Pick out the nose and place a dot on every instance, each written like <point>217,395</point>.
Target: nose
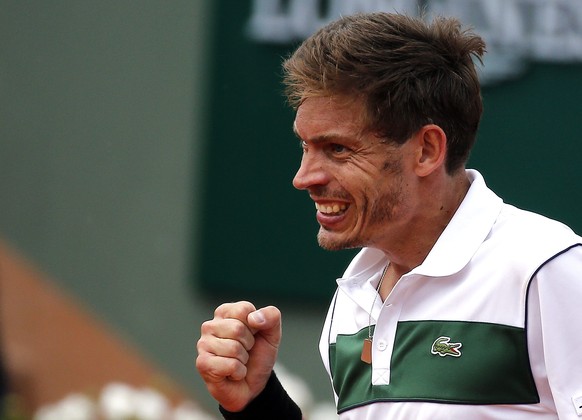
<point>311,173</point>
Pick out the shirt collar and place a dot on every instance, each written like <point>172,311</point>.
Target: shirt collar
<point>466,231</point>
<point>453,250</point>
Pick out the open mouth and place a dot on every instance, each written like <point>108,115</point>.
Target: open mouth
<point>331,209</point>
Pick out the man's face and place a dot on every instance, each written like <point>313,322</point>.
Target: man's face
<point>356,179</point>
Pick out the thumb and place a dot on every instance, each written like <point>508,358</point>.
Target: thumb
<point>266,322</point>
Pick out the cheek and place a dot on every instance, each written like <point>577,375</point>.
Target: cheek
<point>392,166</point>
<point>368,182</point>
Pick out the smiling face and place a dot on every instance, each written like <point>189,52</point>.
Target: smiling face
<point>359,181</point>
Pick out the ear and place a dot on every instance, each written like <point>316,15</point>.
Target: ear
<point>431,143</point>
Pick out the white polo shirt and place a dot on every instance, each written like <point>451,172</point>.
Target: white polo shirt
<point>489,326</point>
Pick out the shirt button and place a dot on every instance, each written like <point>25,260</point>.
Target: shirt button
<point>381,345</point>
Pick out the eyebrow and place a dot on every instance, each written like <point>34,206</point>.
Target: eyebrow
<point>325,137</point>
<point>322,138</point>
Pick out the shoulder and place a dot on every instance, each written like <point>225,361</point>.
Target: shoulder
<point>524,232</point>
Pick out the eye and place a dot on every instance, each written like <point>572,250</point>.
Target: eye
<point>338,148</point>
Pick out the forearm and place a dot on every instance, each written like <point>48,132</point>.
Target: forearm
<point>272,402</point>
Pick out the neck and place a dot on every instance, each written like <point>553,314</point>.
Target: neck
<point>419,234</point>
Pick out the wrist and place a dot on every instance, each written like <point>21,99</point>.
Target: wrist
<point>272,402</point>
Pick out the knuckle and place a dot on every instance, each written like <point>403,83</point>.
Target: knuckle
<point>236,369</point>
<point>221,309</point>
<point>201,345</point>
<point>202,363</point>
<point>238,328</point>
<point>237,350</point>
<point>206,327</point>
<point>237,310</point>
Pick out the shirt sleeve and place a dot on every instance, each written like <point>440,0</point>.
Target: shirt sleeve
<point>272,403</point>
<point>555,336</point>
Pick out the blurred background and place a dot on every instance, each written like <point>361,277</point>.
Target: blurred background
<point>146,158</point>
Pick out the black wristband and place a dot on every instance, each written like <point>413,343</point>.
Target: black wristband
<point>272,403</point>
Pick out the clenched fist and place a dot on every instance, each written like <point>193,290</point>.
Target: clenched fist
<point>237,351</point>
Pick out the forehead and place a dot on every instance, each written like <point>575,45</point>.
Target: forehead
<point>321,117</point>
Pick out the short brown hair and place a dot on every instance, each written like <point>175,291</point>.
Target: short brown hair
<point>408,72</point>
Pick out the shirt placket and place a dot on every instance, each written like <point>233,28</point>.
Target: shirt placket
<point>385,332</point>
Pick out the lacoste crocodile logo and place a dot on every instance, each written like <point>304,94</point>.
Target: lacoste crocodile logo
<point>443,347</point>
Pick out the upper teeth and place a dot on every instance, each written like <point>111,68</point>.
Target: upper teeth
<point>330,208</point>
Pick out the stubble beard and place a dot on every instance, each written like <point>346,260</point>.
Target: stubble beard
<point>383,211</point>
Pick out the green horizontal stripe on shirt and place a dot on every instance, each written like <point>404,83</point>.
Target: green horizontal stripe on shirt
<point>492,368</point>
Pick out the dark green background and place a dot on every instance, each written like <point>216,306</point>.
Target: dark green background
<point>259,234</point>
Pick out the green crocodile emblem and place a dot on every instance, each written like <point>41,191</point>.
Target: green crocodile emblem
<point>443,347</point>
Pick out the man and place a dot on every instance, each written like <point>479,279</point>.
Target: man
<point>458,305</point>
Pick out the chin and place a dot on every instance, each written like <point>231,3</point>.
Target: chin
<point>329,243</point>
